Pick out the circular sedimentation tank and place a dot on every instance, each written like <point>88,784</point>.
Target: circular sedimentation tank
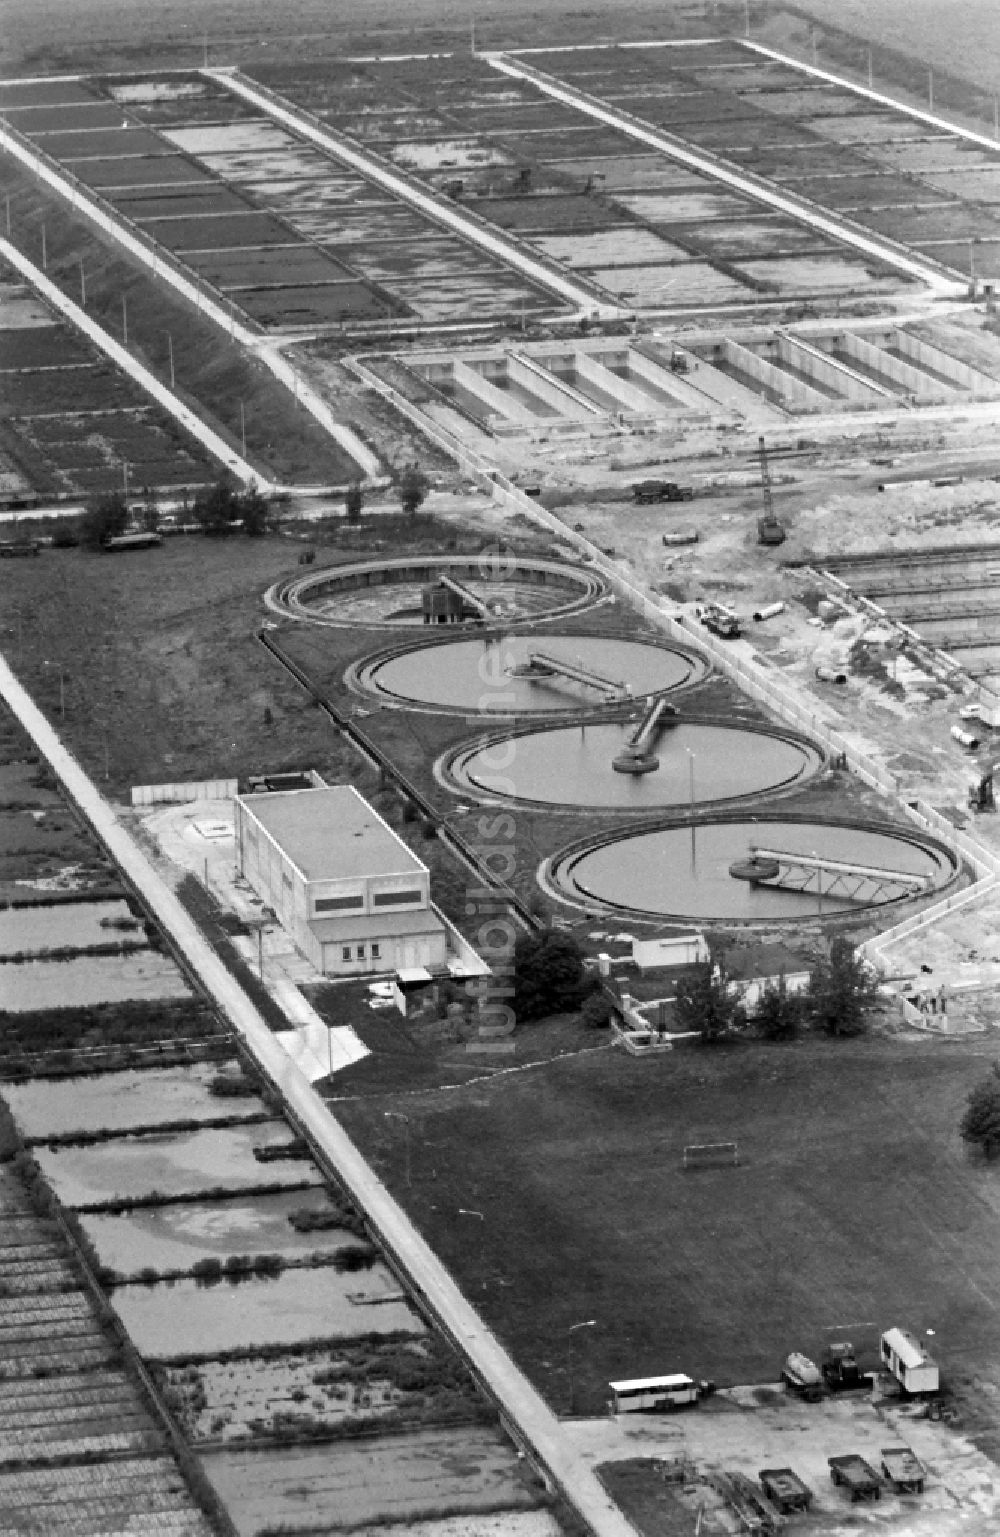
<point>683,871</point>
<point>390,590</point>
<point>699,763</point>
<point>493,674</point>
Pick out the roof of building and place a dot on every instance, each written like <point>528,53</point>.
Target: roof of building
<point>376,926</point>
<point>909,1350</point>
<point>332,833</point>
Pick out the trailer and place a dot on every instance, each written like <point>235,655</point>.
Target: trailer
<point>785,1490</point>
<point>911,1365</point>
<point>903,1470</point>
<point>857,1476</point>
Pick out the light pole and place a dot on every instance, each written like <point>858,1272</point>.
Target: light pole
<point>587,1323</point>
<point>691,800</point>
<point>397,1115</point>
<point>62,685</point>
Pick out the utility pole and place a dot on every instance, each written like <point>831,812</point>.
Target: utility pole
<point>124,320</point>
<point>243,428</point>
<point>930,89</point>
<point>747,18</point>
<point>996,135</point>
<point>871,78</point>
<point>170,355</point>
<point>815,48</point>
<point>7,202</point>
<point>45,259</point>
<point>83,286</point>
<point>472,27</point>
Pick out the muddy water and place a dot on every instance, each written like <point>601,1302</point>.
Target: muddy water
<point>89,979</point>
<point>173,1164</point>
<point>175,1237</point>
<point>27,930</point>
<point>572,766</point>
<point>175,1318</point>
<point>462,1469</point>
<point>117,1101</point>
<point>672,873</point>
<point>476,674</point>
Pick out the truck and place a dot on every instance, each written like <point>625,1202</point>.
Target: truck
<point>802,1376</point>
<point>645,491</point>
<point>840,1367</point>
<point>720,620</point>
<point>857,1476</point>
<point>906,1358</point>
<point>12,549</point>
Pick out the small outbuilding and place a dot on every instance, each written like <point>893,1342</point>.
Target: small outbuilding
<point>909,1362</point>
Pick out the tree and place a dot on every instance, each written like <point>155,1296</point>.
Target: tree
<point>253,513</point>
<point>980,1124</point>
<point>842,991</point>
<point>705,1002</point>
<point>413,488</point>
<point>354,500</point>
<point>105,517</point>
<point>548,974</point>
<point>216,508</point>
<point>596,1009</point>
<point>778,1012</point>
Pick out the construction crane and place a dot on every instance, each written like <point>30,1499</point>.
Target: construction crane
<point>769,529</point>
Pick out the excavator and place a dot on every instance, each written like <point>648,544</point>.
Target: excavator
<point>770,530</point>
<point>981,796</point>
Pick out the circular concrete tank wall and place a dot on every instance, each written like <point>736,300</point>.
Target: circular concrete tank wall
<point>494,674</point>
<point>684,872</point>
<point>572,766</point>
<point>388,591</point>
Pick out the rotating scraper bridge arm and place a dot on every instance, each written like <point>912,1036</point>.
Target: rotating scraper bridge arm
<point>798,872</point>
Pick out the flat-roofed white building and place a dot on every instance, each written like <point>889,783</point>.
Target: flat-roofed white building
<point>351,894</point>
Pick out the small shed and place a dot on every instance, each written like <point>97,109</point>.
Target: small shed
<point>411,989</point>
<point>669,950</point>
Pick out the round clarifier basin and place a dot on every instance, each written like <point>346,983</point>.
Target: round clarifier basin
<point>572,766</point>
<point>683,872</point>
<point>483,676</point>
<point>390,590</point>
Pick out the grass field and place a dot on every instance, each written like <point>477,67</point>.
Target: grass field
<point>854,1205</point>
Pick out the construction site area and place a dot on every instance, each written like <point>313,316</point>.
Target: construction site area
<point>690,640</point>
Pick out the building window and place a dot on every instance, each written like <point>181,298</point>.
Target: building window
<point>361,952</point>
<point>337,904</point>
<point>376,952</point>
<point>345,953</point>
<point>395,898</point>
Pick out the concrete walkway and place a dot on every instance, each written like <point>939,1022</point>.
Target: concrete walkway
<point>218,312</point>
<point>750,186</point>
<point>533,1421</point>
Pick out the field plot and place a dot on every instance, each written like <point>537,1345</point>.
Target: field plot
<point>592,1214</point>
<point>82,1500</point>
<point>383,1382</point>
<point>178,1235</point>
<point>189,1318</point>
<point>433,1473</point>
<point>79,1450</point>
<point>122,1101</point>
<point>173,1164</point>
<point>47,374</point>
<point>254,163</point>
<point>775,121</point>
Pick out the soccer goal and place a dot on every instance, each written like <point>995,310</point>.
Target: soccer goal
<point>711,1155</point>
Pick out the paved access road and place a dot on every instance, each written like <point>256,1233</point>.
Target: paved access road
<point>535,1423</point>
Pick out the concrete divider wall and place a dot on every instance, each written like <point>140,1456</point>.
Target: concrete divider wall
<point>792,391</point>
<point>848,384</point>
<point>960,374</point>
<point>920,385</point>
